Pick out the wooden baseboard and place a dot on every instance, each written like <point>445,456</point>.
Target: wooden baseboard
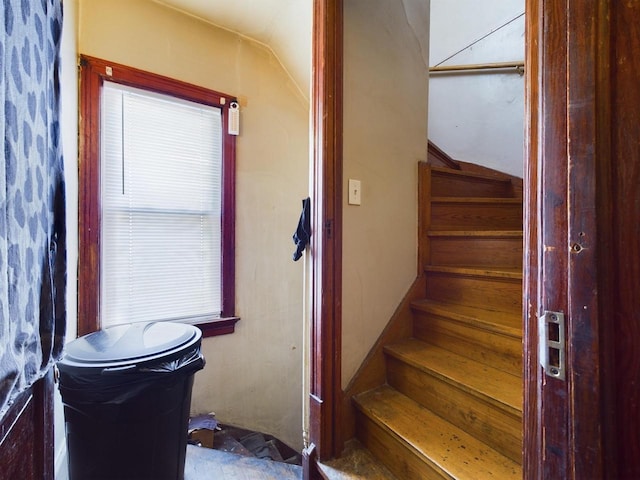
<point>372,372</point>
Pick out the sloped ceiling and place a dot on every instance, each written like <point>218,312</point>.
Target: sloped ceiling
<point>284,26</point>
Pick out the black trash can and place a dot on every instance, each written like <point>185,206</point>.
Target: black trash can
<point>126,392</point>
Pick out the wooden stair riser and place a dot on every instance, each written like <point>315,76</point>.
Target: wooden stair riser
<point>396,455</point>
<point>496,350</point>
<point>447,215</point>
<point>456,184</point>
<point>497,428</point>
<point>491,293</point>
<point>476,251</point>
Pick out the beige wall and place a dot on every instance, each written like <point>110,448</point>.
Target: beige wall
<point>385,131</point>
<point>253,377</point>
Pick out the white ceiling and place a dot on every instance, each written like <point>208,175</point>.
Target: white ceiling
<point>282,25</point>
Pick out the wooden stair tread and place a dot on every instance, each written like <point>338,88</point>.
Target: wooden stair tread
<point>467,173</point>
<point>493,272</point>
<point>494,386</point>
<point>476,233</point>
<point>446,448</point>
<point>477,200</point>
<point>490,320</point>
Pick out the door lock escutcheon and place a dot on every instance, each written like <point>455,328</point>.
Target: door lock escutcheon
<point>551,344</point>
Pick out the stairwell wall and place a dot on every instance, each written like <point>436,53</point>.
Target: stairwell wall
<point>385,127</point>
<point>478,117</point>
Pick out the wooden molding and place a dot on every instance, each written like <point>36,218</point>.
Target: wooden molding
<point>532,440</point>
<point>436,155</point>
<point>219,326</point>
<point>326,242</point>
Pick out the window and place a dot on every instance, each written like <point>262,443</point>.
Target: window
<point>156,201</point>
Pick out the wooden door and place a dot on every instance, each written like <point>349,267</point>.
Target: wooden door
<point>582,251</point>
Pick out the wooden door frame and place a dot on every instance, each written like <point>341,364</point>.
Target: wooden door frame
<point>567,143</point>
<point>325,397</point>
<point>562,71</point>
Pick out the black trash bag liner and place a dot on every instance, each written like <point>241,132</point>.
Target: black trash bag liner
<point>119,385</point>
<point>120,363</point>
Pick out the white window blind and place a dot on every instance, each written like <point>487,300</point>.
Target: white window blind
<point>161,208</point>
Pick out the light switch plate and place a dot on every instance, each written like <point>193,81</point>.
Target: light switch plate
<point>354,192</point>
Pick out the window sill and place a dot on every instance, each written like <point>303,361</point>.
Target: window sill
<point>219,326</point>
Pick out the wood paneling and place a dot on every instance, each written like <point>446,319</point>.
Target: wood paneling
<point>26,434</point>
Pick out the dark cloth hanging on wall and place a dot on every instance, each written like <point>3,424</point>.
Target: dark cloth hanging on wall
<point>302,234</point>
<point>32,201</point>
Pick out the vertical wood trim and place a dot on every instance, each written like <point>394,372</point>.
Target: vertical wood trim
<point>568,128</point>
<point>89,201</point>
<point>604,241</point>
<point>532,439</point>
<point>44,444</point>
<point>584,129</point>
<point>326,332</point>
<point>621,255</point>
<point>228,240</point>
<point>424,215</point>
<point>552,224</point>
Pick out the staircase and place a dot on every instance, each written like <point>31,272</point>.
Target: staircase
<point>452,404</point>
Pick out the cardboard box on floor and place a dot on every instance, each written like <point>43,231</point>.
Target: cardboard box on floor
<point>202,436</point>
<point>201,429</point>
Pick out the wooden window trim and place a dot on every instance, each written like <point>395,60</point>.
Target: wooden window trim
<point>93,73</point>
